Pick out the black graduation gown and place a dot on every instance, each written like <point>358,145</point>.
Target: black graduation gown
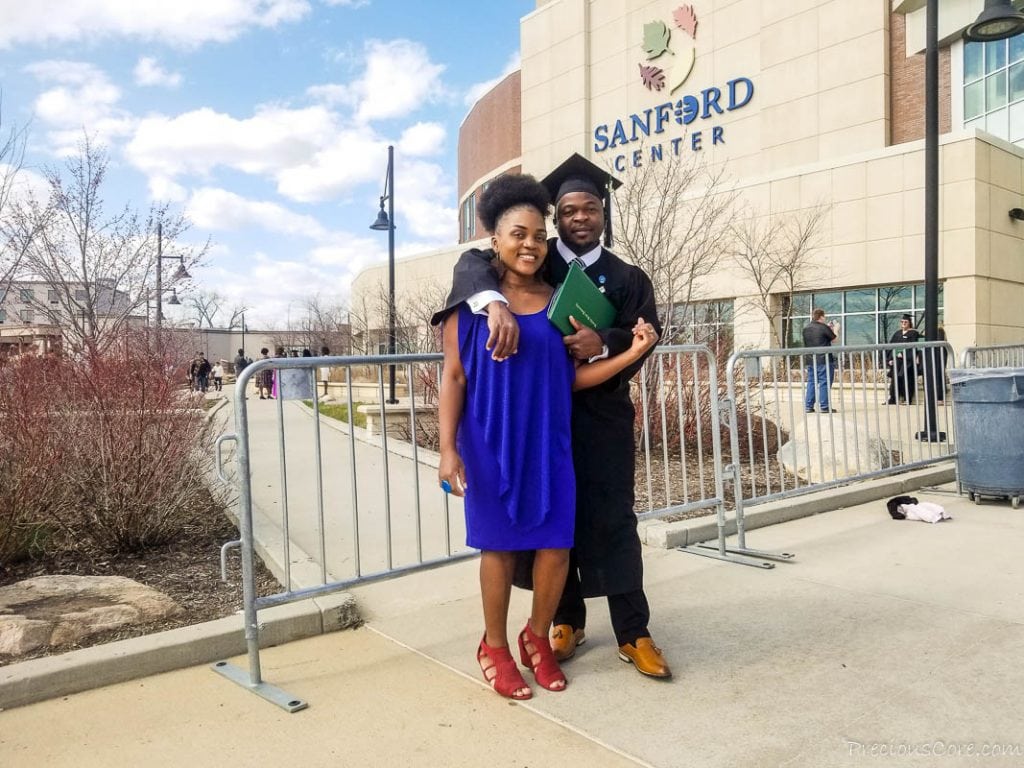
<point>607,547</point>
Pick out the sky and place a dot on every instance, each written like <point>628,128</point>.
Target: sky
<point>264,122</point>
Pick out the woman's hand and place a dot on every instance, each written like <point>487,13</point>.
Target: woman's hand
<point>453,471</point>
<point>644,336</point>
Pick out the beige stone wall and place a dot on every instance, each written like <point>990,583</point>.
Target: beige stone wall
<point>820,68</point>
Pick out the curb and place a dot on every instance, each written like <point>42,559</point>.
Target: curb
<point>664,535</point>
<point>28,682</point>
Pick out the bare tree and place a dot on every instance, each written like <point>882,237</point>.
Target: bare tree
<point>13,241</point>
<point>205,306</point>
<point>98,268</point>
<point>776,254</point>
<point>326,324</point>
<point>672,219</point>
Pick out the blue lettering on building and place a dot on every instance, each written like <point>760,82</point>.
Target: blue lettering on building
<point>705,105</point>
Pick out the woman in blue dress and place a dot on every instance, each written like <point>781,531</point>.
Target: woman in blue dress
<point>505,436</point>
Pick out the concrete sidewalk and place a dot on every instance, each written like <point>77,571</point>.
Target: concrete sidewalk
<point>882,637</point>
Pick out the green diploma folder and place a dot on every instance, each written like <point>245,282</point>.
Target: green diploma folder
<point>579,297</point>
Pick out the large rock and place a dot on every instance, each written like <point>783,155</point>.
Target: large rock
<point>64,610</point>
<point>829,449</point>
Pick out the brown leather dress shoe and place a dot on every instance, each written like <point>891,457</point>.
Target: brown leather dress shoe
<point>564,640</point>
<point>646,657</point>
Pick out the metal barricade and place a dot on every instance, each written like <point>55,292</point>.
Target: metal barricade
<point>781,445</point>
<point>356,471</point>
<point>995,356</point>
<point>679,442</point>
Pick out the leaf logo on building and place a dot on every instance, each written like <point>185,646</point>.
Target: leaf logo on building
<point>676,53</point>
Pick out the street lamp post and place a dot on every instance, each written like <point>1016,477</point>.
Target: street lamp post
<point>997,21</point>
<point>180,274</point>
<point>386,221</point>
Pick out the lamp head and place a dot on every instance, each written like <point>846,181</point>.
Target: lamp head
<point>174,297</point>
<point>998,21</point>
<point>181,273</point>
<point>1017,213</point>
<point>382,224</point>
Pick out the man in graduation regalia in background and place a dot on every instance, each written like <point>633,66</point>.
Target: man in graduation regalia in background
<point>607,556</point>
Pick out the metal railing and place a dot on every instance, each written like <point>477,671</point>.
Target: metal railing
<point>387,516</point>
<point>332,505</point>
<point>995,356</point>
<point>782,445</point>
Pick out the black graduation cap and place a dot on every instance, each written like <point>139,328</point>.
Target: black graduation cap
<point>577,174</point>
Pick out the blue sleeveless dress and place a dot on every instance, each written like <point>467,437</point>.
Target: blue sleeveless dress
<point>514,438</point>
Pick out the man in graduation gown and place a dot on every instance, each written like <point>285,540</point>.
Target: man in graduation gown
<point>607,557</point>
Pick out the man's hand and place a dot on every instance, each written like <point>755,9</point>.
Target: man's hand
<point>503,340</point>
<point>585,343</point>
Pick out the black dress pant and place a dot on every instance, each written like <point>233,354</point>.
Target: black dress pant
<point>629,612</point>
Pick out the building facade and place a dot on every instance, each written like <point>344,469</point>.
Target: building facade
<point>806,103</point>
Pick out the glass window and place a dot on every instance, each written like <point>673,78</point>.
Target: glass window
<point>1017,122</point>
<point>3,315</point>
<point>995,91</point>
<point>888,324</point>
<point>860,301</point>
<point>973,65</point>
<point>1017,82</point>
<point>27,294</point>
<point>80,294</point>
<point>974,100</point>
<point>858,329</point>
<point>895,297</point>
<point>51,296</point>
<point>26,315</point>
<point>997,123</point>
<point>995,56</point>
<point>831,302</point>
<point>994,79</point>
<point>801,304</point>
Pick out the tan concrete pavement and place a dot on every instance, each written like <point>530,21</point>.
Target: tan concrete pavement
<point>882,636</point>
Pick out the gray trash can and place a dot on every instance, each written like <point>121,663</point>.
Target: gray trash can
<point>989,418</point>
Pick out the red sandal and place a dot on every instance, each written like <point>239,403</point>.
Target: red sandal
<point>546,671</point>
<point>502,675</point>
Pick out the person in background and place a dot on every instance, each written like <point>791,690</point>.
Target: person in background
<point>218,376</point>
<point>199,373</point>
<point>240,362</point>
<point>265,378</point>
<point>821,368</point>
<point>505,437</point>
<point>901,364</point>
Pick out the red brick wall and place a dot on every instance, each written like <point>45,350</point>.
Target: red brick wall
<point>490,136</point>
<point>906,91</point>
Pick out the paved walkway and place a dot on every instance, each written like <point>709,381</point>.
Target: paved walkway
<point>881,637</point>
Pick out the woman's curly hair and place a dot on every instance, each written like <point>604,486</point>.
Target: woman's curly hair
<point>511,190</point>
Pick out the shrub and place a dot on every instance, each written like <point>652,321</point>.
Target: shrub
<point>105,453</point>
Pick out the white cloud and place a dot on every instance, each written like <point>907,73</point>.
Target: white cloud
<point>183,22</point>
<point>422,139</point>
<point>163,188</point>
<point>83,98</point>
<point>219,209</point>
<point>424,194</point>
<point>195,142</point>
<point>479,89</point>
<point>399,78</point>
<point>329,94</point>
<point>149,72</point>
<point>352,158</point>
